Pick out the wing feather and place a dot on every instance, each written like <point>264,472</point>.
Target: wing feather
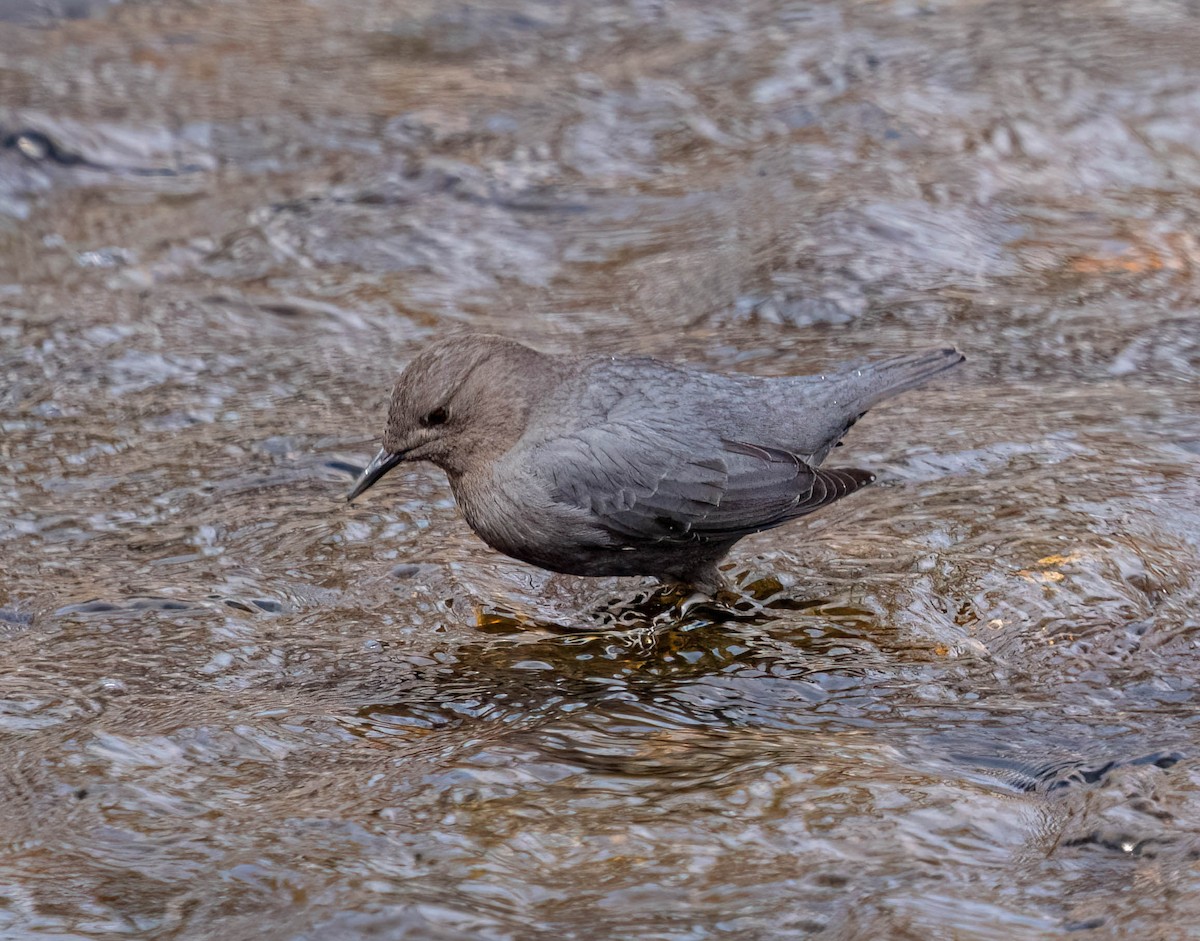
<point>644,485</point>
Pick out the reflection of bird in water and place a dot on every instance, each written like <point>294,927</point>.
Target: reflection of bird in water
<point>611,465</point>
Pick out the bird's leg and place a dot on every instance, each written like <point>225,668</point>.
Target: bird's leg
<point>701,585</point>
<point>706,578</point>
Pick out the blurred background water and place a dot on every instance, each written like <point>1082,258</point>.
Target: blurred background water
<point>960,704</point>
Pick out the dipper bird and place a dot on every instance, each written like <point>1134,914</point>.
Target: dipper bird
<point>626,465</point>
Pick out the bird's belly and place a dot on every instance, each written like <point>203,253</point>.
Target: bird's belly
<point>523,524</point>
<point>539,538</point>
<point>574,558</point>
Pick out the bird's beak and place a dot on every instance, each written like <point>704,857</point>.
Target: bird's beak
<point>380,464</point>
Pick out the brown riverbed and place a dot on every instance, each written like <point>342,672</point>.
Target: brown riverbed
<point>959,705</point>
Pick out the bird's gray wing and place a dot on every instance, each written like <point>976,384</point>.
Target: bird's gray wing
<point>643,485</point>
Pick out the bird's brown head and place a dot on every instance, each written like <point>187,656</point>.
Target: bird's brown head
<point>463,401</point>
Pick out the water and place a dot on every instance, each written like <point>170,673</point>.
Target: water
<point>958,705</point>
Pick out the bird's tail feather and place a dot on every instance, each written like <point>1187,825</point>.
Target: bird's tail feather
<point>889,377</point>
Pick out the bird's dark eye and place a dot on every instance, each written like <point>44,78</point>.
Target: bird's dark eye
<point>437,417</point>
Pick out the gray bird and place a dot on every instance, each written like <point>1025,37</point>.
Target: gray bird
<point>625,465</point>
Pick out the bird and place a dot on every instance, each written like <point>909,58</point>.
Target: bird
<point>612,465</point>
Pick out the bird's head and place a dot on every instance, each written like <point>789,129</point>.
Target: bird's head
<point>462,402</point>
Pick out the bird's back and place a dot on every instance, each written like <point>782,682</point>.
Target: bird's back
<point>804,415</point>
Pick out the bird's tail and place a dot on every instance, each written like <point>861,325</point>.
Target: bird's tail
<point>878,381</point>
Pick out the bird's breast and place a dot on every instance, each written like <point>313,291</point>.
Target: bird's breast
<point>491,504</point>
<point>510,510</point>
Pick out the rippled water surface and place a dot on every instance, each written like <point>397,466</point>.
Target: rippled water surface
<point>960,704</point>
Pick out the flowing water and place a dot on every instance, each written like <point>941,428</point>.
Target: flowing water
<point>959,705</point>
